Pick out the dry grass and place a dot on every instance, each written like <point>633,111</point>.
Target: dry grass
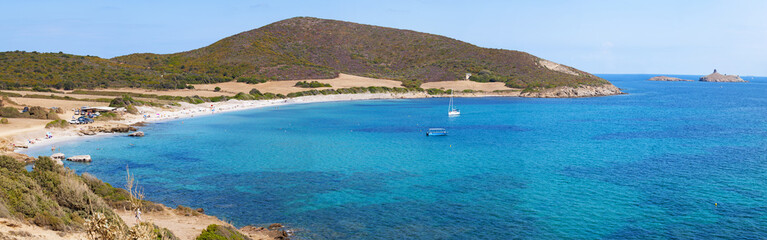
<point>463,85</point>
<point>285,87</point>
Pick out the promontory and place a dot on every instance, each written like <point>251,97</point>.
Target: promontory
<point>304,48</point>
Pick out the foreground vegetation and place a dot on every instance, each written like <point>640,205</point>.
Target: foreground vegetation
<point>54,197</point>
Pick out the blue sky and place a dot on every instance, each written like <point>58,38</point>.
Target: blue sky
<point>663,37</point>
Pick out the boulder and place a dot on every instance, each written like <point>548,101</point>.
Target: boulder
<point>137,134</point>
<point>80,158</point>
<point>87,132</point>
<point>59,156</point>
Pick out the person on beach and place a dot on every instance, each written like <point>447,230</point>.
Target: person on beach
<point>138,214</point>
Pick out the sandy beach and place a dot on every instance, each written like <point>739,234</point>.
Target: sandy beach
<point>31,132</point>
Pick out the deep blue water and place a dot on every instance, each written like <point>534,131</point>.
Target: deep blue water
<point>647,165</point>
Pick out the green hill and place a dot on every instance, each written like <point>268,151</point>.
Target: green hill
<point>297,48</point>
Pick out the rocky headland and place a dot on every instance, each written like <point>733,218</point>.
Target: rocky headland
<point>717,77</point>
<point>574,92</point>
<point>668,79</point>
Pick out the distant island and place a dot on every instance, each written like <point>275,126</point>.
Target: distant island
<point>716,77</point>
<point>669,79</point>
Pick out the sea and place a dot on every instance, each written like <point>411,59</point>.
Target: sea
<point>667,160</point>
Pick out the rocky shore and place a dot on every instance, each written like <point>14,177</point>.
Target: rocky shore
<point>669,79</point>
<point>577,92</point>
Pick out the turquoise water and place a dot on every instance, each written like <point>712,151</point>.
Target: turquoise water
<point>647,165</point>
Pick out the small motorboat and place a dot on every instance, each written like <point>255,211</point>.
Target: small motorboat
<point>436,132</point>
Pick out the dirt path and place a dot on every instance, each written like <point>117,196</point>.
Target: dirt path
<point>12,229</point>
<point>184,227</point>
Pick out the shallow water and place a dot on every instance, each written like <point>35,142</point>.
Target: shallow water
<point>650,164</point>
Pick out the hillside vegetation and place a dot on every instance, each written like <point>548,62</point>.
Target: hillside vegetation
<point>296,48</point>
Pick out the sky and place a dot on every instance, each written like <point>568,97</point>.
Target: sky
<point>653,37</point>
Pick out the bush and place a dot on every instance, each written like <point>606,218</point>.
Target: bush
<point>57,124</point>
<point>11,164</point>
<point>3,121</point>
<point>251,80</point>
<point>244,96</point>
<point>313,84</point>
<point>434,91</point>
<point>106,116</point>
<point>41,113</point>
<point>131,109</point>
<point>10,112</point>
<point>217,89</point>
<point>412,83</point>
<point>218,232</point>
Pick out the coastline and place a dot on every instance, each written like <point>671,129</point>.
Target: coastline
<point>187,110</point>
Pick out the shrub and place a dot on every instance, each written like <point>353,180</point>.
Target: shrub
<point>40,113</point>
<point>244,96</point>
<point>434,91</point>
<point>131,109</point>
<point>412,83</point>
<point>106,116</point>
<point>313,84</point>
<point>10,112</point>
<point>3,121</point>
<point>217,89</point>
<point>251,80</point>
<point>218,232</point>
<point>45,219</point>
<point>57,124</point>
<point>11,164</point>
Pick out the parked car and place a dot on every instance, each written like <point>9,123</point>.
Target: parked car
<point>84,120</point>
<point>73,121</point>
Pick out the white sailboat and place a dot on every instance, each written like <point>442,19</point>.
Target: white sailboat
<point>451,110</point>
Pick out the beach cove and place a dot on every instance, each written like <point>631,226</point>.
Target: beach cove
<point>659,162</point>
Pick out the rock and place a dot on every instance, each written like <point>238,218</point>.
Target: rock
<point>87,132</point>
<point>122,129</point>
<point>275,226</point>
<point>200,210</point>
<point>670,79</point>
<point>80,158</point>
<point>137,134</point>
<point>59,156</point>
<point>252,229</point>
<point>20,157</point>
<point>272,233</point>
<point>716,77</point>
<point>571,92</point>
<point>138,124</point>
